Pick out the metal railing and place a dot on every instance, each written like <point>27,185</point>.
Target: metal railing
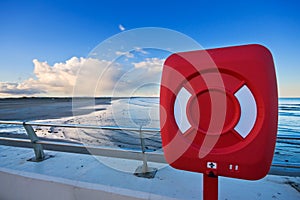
<point>39,144</point>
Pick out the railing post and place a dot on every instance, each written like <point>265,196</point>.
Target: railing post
<point>143,170</point>
<point>145,164</point>
<point>38,148</point>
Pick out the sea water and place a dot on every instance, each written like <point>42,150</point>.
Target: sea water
<point>288,124</point>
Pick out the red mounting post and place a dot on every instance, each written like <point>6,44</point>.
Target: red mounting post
<point>210,187</point>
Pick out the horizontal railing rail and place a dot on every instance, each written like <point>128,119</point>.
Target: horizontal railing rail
<point>84,126</point>
<point>152,156</point>
<point>39,144</point>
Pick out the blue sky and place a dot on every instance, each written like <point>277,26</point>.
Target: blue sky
<point>56,31</point>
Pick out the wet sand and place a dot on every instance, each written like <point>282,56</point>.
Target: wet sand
<point>28,109</point>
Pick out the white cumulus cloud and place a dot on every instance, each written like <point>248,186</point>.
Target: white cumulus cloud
<point>85,77</point>
<point>61,78</point>
<point>121,27</point>
<point>150,64</point>
<point>143,79</point>
<point>140,50</point>
<point>15,89</point>
<point>127,54</point>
